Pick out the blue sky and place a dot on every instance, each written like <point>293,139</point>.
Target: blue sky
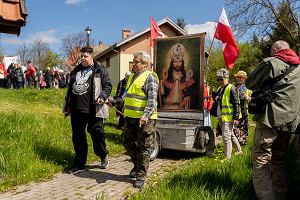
<point>52,20</point>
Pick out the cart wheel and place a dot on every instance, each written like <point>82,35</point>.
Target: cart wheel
<point>156,147</point>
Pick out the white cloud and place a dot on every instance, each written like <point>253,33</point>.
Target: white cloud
<point>48,36</point>
<point>75,2</point>
<point>208,27</point>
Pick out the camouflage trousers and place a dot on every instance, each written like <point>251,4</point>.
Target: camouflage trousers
<point>268,158</point>
<point>138,143</point>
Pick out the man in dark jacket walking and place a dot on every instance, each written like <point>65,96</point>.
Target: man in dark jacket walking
<point>276,123</point>
<point>89,88</point>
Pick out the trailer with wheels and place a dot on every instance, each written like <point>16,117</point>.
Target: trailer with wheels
<point>183,123</point>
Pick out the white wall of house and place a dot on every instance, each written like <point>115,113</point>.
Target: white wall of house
<point>125,59</point>
<point>114,70</point>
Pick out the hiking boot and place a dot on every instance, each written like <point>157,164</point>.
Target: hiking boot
<point>139,183</point>
<point>104,163</point>
<point>76,170</point>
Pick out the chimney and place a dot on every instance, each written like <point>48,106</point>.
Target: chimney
<point>125,33</point>
<point>101,43</point>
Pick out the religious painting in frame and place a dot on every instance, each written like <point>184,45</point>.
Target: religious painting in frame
<point>179,64</point>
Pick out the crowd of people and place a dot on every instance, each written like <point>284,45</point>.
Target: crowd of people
<point>17,76</point>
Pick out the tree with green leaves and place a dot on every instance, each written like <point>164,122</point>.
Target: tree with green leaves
<point>51,60</point>
<point>246,61</point>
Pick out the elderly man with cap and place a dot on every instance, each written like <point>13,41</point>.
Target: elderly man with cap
<point>228,111</point>
<point>177,88</point>
<point>241,131</point>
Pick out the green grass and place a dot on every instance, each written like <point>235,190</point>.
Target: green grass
<point>35,138</point>
<point>206,178</point>
<point>35,143</point>
<point>212,178</point>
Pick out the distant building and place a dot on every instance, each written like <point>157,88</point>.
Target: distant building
<point>118,57</point>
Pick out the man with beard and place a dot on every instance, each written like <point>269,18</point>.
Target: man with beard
<point>177,88</point>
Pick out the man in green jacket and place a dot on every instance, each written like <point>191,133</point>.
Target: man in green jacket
<point>275,125</point>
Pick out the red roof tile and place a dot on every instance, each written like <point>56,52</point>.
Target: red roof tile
<point>13,15</point>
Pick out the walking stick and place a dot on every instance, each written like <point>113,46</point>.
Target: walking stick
<point>115,109</point>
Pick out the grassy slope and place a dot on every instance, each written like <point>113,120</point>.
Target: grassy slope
<point>35,143</point>
<point>35,138</point>
<point>212,178</point>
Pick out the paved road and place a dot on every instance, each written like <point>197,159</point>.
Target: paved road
<point>95,183</point>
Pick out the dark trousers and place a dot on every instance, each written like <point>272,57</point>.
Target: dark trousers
<point>79,122</point>
<point>138,143</point>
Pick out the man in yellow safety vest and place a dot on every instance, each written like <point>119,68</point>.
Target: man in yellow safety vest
<point>140,111</point>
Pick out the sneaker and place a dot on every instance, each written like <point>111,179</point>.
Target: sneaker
<point>76,170</point>
<point>104,163</point>
<point>139,183</point>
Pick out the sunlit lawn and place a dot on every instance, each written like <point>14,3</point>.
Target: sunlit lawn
<point>35,143</point>
<point>35,137</point>
<point>214,178</point>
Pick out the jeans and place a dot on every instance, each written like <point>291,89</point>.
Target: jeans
<point>228,138</point>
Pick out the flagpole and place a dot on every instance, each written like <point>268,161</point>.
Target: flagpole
<point>151,42</point>
<point>211,44</point>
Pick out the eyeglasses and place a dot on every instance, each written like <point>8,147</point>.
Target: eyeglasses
<point>239,77</point>
<point>220,79</point>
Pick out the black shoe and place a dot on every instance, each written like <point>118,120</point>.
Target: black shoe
<point>76,170</point>
<point>139,183</point>
<point>104,163</point>
<point>133,174</point>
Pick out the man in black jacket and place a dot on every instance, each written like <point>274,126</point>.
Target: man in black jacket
<point>89,88</point>
<point>119,95</point>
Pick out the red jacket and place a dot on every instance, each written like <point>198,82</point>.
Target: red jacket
<point>30,71</point>
<point>208,100</point>
<point>2,68</point>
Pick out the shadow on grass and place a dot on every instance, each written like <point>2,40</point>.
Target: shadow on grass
<point>178,155</point>
<point>102,176</point>
<point>114,137</point>
<point>53,154</point>
<point>214,182</point>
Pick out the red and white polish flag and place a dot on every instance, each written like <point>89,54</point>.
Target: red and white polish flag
<point>155,31</point>
<point>224,34</point>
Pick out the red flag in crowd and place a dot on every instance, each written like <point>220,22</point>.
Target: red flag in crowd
<point>224,33</point>
<point>155,31</point>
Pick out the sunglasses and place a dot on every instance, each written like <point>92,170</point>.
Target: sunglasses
<point>220,79</point>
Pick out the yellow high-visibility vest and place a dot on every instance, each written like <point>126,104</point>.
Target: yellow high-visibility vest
<point>136,99</point>
<point>227,107</point>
